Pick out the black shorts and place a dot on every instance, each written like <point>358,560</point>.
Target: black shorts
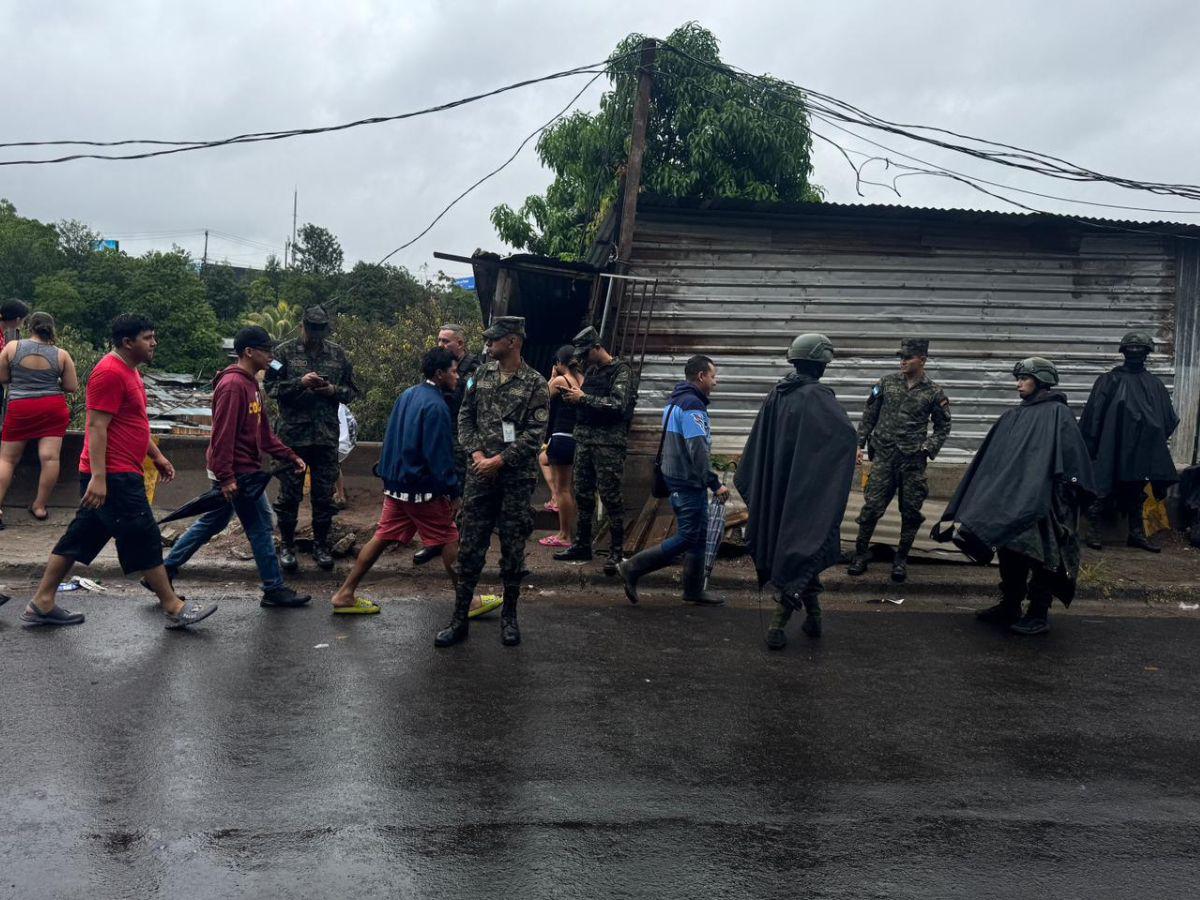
<point>561,450</point>
<point>125,517</point>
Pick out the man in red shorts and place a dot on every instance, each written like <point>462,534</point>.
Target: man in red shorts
<point>114,505</point>
<point>419,479</point>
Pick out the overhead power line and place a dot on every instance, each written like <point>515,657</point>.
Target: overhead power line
<point>256,137</point>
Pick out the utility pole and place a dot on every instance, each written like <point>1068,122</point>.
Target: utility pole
<point>295,207</point>
<point>633,176</point>
<point>204,259</point>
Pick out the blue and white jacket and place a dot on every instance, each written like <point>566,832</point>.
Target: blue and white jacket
<point>687,441</point>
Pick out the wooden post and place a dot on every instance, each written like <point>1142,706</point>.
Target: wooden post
<point>637,150</point>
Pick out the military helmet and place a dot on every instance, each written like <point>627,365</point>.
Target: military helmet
<point>811,347</point>
<point>1137,340</point>
<point>1037,367</point>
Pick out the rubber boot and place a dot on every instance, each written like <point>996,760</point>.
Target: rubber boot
<point>1137,533</point>
<point>510,633</point>
<point>1093,522</point>
<point>812,613</point>
<point>862,551</point>
<point>460,625</point>
<point>632,569</point>
<point>776,636</point>
<point>693,582</point>
<point>1037,618</point>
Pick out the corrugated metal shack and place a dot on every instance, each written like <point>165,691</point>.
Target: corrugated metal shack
<point>738,280</point>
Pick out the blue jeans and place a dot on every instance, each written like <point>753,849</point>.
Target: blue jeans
<point>255,516</point>
<point>691,521</point>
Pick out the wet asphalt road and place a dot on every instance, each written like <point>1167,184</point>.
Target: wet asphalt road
<point>620,752</point>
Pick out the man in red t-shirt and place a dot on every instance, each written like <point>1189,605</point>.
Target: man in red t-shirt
<point>114,504</point>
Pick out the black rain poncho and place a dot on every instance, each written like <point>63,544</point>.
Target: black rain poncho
<point>1126,423</point>
<point>1024,489</point>
<point>795,478</point>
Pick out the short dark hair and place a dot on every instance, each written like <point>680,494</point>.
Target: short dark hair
<point>128,325</point>
<point>251,336</point>
<point>439,359</point>
<point>697,366</point>
<point>13,309</point>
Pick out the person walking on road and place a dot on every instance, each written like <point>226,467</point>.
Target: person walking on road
<point>500,425</point>
<point>310,377</point>
<point>895,426</point>
<point>686,451</point>
<point>601,434</point>
<point>1020,499</point>
<point>39,375</point>
<point>241,434</point>
<point>795,477</point>
<point>419,478</point>
<point>114,505</point>
<point>1127,423</point>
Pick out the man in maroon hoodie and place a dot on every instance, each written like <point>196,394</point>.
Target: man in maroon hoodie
<point>241,434</point>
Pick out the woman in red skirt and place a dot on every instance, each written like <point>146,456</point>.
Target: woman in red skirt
<point>39,375</point>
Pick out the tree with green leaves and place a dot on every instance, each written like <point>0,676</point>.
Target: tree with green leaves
<point>280,321</point>
<point>225,291</point>
<point>710,135</point>
<point>318,252</point>
<point>28,250</point>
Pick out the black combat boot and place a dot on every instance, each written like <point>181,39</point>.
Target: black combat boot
<point>862,554</point>
<point>287,548</point>
<point>1037,618</point>
<point>425,554</point>
<point>460,625</point>
<point>616,552</point>
<point>900,560</point>
<point>632,569</point>
<point>322,557</point>
<point>1137,533</point>
<point>581,550</point>
<point>510,633</point>
<point>693,582</point>
<point>1093,522</point>
<point>1008,610</point>
<point>812,610</point>
<point>776,636</point>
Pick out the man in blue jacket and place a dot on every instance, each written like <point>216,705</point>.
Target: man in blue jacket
<point>686,447</point>
<point>419,479</point>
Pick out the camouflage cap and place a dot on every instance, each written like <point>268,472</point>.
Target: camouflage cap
<point>316,315</point>
<point>1037,367</point>
<point>1137,340</point>
<point>503,326</point>
<point>913,347</point>
<point>585,340</point>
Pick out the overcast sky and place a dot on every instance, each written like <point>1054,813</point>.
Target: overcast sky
<point>1111,86</point>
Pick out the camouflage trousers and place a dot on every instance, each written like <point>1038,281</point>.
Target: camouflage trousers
<point>500,505</point>
<point>599,467</point>
<point>322,462</point>
<point>892,472</point>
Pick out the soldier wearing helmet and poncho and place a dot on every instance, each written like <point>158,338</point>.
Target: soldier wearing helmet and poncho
<point>1020,499</point>
<point>795,478</point>
<point>1126,424</point>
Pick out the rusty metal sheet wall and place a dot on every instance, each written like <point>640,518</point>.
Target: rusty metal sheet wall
<point>739,286</point>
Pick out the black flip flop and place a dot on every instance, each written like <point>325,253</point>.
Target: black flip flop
<point>41,518</point>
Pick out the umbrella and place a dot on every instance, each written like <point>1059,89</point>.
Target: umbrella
<point>250,486</point>
<point>716,533</point>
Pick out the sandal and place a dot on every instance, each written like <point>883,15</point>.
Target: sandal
<point>554,540</point>
<point>487,602</point>
<point>362,607</point>
<point>43,517</point>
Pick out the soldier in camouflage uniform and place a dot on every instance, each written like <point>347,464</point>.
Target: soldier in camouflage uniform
<point>500,425</point>
<point>310,377</point>
<point>600,435</point>
<point>894,423</point>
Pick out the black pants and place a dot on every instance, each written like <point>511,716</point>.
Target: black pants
<point>322,463</point>
<point>1021,576</point>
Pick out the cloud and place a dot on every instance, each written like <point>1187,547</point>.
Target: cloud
<point>1106,87</point>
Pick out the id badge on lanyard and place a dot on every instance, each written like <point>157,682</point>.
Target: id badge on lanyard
<point>509,431</point>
